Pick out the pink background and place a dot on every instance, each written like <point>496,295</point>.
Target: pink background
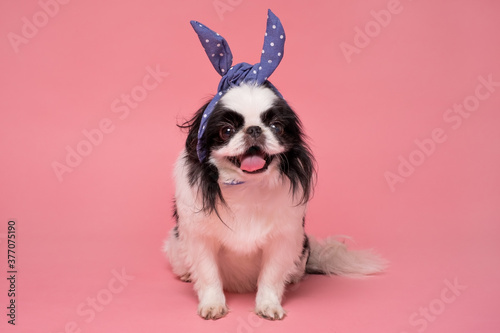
<point>363,113</point>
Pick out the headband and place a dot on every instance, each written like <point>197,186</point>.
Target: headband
<point>220,56</point>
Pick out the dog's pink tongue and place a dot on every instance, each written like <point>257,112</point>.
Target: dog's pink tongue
<point>252,163</point>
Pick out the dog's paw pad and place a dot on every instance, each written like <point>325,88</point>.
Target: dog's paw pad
<point>213,311</point>
<point>270,311</point>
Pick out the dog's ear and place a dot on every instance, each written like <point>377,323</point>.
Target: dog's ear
<point>192,126</point>
<point>202,174</point>
<point>297,163</point>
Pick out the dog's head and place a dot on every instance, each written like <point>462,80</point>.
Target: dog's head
<point>247,131</point>
<point>251,134</point>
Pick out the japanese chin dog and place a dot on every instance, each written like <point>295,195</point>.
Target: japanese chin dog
<point>240,213</point>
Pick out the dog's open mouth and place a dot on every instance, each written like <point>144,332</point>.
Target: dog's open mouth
<point>254,160</point>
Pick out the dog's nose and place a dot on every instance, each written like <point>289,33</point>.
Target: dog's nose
<point>254,131</point>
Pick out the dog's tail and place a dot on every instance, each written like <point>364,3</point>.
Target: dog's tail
<point>331,257</point>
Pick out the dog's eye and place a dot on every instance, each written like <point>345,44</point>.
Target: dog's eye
<point>226,132</point>
<point>277,128</point>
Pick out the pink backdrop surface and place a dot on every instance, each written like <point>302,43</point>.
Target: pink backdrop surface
<point>400,100</point>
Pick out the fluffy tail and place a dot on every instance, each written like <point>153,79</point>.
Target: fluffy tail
<point>332,257</point>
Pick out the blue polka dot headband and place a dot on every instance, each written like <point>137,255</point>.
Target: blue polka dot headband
<point>220,56</point>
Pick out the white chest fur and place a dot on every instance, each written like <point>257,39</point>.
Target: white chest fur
<point>256,210</point>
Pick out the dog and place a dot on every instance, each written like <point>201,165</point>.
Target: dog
<point>243,182</point>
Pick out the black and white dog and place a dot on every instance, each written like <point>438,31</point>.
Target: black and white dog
<point>240,212</point>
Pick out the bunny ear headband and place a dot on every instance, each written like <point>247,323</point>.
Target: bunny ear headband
<point>220,56</point>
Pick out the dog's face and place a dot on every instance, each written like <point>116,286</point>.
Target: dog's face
<point>252,132</point>
<point>249,131</point>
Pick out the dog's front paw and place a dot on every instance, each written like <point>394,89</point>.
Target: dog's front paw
<point>270,311</point>
<point>212,311</point>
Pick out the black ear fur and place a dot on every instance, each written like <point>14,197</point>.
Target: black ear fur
<point>203,173</point>
<point>297,163</point>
